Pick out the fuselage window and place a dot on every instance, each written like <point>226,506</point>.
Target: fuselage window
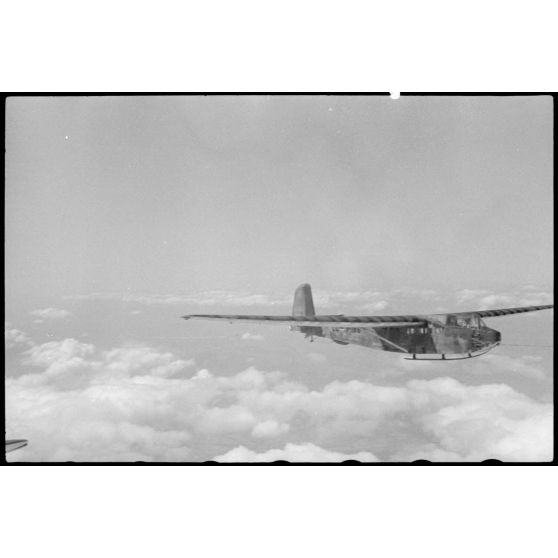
<point>451,320</point>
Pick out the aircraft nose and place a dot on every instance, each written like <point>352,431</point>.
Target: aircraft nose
<point>497,336</point>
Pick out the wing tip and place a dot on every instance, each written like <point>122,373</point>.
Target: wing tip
<point>12,445</point>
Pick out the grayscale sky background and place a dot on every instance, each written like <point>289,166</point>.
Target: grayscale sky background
<point>123,213</point>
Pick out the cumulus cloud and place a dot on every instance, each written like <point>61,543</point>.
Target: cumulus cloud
<point>74,364</point>
<point>395,301</point>
<point>353,301</point>
<point>375,306</point>
<point>493,300</point>
<point>58,352</point>
<point>535,298</point>
<point>50,314</point>
<point>294,453</point>
<point>481,299</point>
<point>252,337</point>
<point>14,337</point>
<point>482,422</point>
<point>203,298</point>
<point>269,429</point>
<point>467,295</point>
<point>90,405</point>
<point>131,360</point>
<point>367,301</point>
<point>140,403</point>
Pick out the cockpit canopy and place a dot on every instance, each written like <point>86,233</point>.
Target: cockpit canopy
<point>464,320</point>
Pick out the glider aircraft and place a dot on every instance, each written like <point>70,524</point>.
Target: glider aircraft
<point>454,336</point>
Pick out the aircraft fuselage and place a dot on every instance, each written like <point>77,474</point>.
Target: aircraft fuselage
<point>465,336</point>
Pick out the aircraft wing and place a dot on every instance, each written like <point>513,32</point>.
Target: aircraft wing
<point>326,320</point>
<point>12,445</point>
<point>506,311</point>
<point>339,320</point>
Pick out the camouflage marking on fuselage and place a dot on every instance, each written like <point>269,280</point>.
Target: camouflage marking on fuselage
<point>430,337</point>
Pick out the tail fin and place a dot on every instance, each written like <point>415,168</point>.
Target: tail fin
<point>303,304</point>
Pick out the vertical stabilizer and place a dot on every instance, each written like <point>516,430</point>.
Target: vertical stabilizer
<point>303,304</point>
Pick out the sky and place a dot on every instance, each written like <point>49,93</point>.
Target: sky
<point>124,213</point>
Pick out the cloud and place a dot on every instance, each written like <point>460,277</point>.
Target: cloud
<point>269,429</point>
<point>139,360</point>
<point>64,363</point>
<point>402,300</point>
<point>14,337</point>
<point>375,306</point>
<point>354,301</point>
<point>536,298</point>
<point>141,403</point>
<point>292,452</point>
<point>482,422</point>
<point>57,352</point>
<point>203,298</point>
<point>87,405</point>
<point>482,299</point>
<point>327,301</point>
<point>252,337</point>
<point>73,364</point>
<point>50,314</point>
<point>467,295</point>
<point>494,300</point>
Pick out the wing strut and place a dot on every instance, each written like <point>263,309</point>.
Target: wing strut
<point>391,343</point>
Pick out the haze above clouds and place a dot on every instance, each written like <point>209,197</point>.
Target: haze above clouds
<point>122,214</point>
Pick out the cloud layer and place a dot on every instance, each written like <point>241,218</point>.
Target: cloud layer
<point>140,403</point>
<point>50,314</point>
<point>293,453</point>
<point>398,300</point>
<point>479,299</point>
